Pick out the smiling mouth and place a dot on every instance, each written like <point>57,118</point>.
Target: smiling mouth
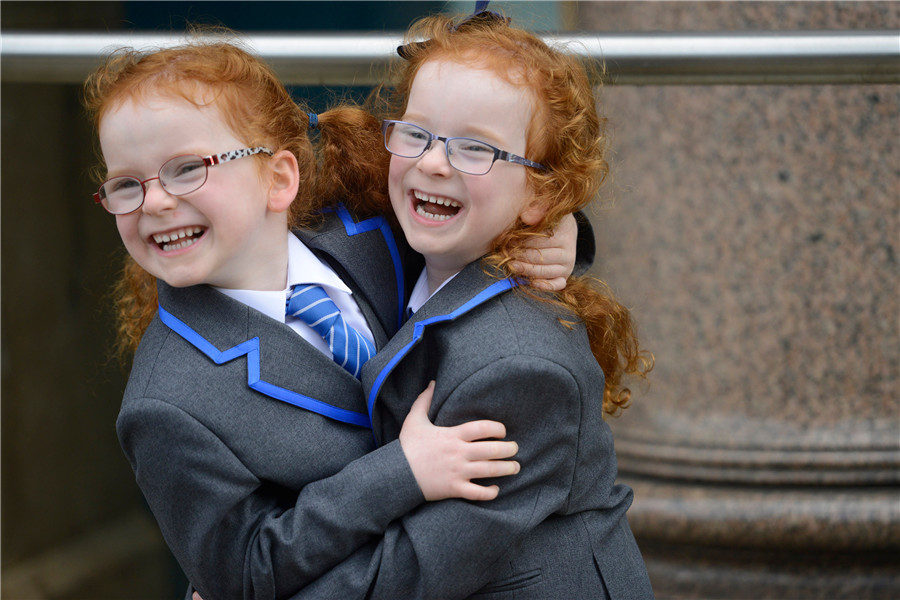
<point>178,238</point>
<point>435,207</point>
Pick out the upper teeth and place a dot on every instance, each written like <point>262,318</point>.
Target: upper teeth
<point>161,238</point>
<point>435,199</point>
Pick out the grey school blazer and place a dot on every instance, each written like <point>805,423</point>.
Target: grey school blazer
<point>251,447</point>
<point>558,529</point>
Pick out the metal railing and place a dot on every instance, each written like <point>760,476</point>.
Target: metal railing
<point>706,58</point>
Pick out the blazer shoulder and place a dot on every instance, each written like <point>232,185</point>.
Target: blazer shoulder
<point>144,362</point>
<point>539,323</point>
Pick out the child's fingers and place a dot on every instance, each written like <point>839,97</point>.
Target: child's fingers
<point>550,285</point>
<point>541,262</point>
<point>473,491</point>
<point>491,450</point>
<point>486,469</point>
<point>542,255</point>
<point>550,241</point>
<point>419,408</point>
<point>480,430</point>
<point>532,270</point>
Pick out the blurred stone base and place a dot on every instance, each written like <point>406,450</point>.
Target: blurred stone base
<point>728,574</point>
<point>710,541</point>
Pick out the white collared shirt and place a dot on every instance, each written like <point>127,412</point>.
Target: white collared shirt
<point>420,295</point>
<point>305,267</point>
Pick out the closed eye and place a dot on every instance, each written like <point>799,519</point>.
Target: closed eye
<point>413,133</point>
<point>122,184</point>
<point>187,168</point>
<point>471,147</point>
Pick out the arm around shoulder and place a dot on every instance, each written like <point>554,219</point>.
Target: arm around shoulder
<point>428,553</point>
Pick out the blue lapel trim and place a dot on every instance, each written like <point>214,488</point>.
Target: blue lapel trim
<point>419,328</point>
<point>380,223</point>
<point>250,348</point>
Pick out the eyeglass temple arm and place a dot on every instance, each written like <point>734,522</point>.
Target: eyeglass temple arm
<point>215,159</point>
<point>515,158</point>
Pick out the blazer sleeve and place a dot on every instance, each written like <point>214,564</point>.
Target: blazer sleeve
<point>233,534</point>
<point>448,549</point>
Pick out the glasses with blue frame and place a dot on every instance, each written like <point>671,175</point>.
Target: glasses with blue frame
<point>464,154</point>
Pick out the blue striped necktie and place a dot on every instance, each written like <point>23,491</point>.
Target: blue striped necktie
<point>349,348</point>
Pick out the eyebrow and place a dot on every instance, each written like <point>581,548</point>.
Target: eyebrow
<point>130,172</point>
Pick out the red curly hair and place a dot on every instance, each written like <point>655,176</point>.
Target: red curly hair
<point>568,137</point>
<point>252,100</point>
<point>354,164</point>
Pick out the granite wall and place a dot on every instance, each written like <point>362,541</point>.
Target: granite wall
<point>754,232</point>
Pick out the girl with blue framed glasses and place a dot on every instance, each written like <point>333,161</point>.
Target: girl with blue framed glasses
<point>493,140</point>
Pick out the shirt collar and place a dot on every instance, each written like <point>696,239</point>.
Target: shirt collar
<point>303,267</point>
<point>420,295</point>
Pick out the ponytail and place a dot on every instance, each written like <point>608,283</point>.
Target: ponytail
<point>353,164</point>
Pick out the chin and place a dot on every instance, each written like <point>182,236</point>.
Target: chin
<point>179,280</point>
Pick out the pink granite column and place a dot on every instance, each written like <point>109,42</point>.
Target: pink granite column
<point>754,231</point>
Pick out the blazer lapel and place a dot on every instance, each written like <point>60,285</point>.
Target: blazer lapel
<point>366,256</point>
<point>470,288</point>
<point>280,364</point>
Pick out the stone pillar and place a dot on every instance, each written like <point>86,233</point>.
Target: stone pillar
<point>754,232</point>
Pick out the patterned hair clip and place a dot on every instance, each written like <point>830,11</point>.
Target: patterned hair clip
<point>313,120</point>
<point>480,15</point>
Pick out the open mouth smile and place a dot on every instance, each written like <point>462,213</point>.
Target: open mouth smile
<point>178,238</point>
<point>435,208</point>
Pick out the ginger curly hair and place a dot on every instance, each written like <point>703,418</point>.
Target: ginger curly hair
<point>250,97</point>
<point>568,137</point>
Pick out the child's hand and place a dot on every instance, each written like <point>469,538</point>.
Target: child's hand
<point>444,460</point>
<point>551,260</point>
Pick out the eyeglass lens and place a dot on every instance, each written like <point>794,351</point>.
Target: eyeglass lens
<point>466,155</point>
<point>180,175</point>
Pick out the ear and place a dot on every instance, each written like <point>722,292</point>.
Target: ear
<point>533,213</point>
<point>284,181</point>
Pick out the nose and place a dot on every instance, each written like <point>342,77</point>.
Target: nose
<point>434,161</point>
<point>156,198</point>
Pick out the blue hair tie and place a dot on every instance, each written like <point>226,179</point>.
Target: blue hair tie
<point>313,120</point>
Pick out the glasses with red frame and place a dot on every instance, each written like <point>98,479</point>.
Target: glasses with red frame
<point>178,176</point>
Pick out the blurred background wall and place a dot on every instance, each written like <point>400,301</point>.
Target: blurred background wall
<point>752,229</point>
